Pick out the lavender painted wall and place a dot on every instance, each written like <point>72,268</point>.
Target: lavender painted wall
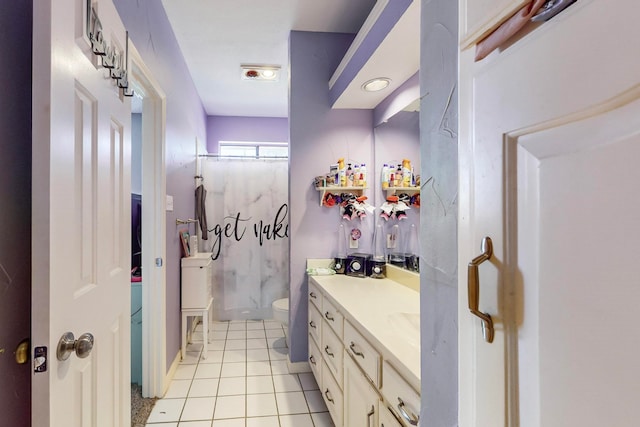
<point>439,236</point>
<point>318,137</point>
<point>152,35</point>
<point>15,213</point>
<point>250,129</point>
<point>404,95</point>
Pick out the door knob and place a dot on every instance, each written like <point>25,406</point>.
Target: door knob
<point>473,287</point>
<point>67,344</point>
<point>22,352</point>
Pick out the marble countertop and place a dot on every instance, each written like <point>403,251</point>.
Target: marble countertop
<point>386,313</point>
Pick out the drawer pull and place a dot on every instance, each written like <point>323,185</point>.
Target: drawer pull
<point>356,352</point>
<point>312,359</point>
<point>328,316</point>
<point>326,350</point>
<point>410,417</point>
<point>313,295</point>
<point>312,324</point>
<point>328,395</point>
<point>370,414</point>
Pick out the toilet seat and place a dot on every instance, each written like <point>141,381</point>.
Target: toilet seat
<point>280,309</point>
<point>281,304</point>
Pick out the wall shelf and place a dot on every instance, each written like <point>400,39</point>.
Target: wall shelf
<point>398,190</point>
<point>358,191</point>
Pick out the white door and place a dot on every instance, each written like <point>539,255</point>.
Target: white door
<point>81,219</point>
<point>549,151</point>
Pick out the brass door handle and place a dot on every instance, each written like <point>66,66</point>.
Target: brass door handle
<point>22,352</point>
<point>473,286</point>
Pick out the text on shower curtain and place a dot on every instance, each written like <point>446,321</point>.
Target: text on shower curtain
<point>235,227</point>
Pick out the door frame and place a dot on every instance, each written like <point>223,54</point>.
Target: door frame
<point>154,190</point>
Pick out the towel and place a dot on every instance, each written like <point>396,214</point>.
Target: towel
<point>507,30</point>
<point>201,214</point>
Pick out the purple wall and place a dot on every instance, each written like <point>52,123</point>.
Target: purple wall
<point>318,137</point>
<point>15,213</point>
<point>250,129</point>
<point>152,35</point>
<point>404,95</point>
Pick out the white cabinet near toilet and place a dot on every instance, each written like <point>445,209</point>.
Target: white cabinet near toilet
<point>196,293</point>
<point>196,281</point>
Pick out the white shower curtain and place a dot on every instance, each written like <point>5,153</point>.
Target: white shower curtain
<point>248,223</point>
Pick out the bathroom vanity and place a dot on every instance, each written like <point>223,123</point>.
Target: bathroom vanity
<point>364,349</point>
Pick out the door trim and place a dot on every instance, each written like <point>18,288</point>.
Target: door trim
<point>154,363</point>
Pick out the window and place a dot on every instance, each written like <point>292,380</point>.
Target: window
<point>254,149</point>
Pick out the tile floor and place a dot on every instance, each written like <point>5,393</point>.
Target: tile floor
<point>243,382</point>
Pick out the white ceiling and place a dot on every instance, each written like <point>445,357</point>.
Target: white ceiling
<point>217,36</point>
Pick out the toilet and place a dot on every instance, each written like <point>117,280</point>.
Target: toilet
<point>281,310</point>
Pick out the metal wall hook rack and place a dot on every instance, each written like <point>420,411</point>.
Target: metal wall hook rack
<point>112,58</point>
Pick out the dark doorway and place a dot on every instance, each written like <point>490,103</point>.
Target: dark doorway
<point>15,212</point>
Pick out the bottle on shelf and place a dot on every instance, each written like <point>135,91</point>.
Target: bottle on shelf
<point>397,180</point>
<point>385,176</point>
<point>356,175</point>
<point>362,176</point>
<point>406,173</point>
<point>349,174</point>
<point>342,173</point>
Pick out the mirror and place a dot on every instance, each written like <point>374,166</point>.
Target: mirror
<point>397,140</point>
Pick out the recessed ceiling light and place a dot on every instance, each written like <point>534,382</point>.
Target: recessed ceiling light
<point>260,72</point>
<point>376,84</point>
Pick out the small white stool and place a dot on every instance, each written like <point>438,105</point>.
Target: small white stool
<point>204,312</point>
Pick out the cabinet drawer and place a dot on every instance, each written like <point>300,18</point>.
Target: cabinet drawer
<point>404,400</point>
<point>315,324</point>
<point>332,395</point>
<point>362,352</point>
<point>332,316</point>
<point>387,418</point>
<point>332,353</point>
<point>315,297</point>
<point>315,361</point>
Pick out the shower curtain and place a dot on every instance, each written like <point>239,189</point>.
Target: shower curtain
<point>248,223</point>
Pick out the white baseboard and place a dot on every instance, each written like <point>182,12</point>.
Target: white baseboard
<point>172,371</point>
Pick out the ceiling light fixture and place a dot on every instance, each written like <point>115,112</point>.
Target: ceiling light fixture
<point>376,84</point>
<point>260,72</point>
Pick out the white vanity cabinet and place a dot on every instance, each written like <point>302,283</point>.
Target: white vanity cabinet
<point>387,418</point>
<point>368,372</point>
<point>401,397</point>
<point>361,400</point>
<point>326,350</point>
